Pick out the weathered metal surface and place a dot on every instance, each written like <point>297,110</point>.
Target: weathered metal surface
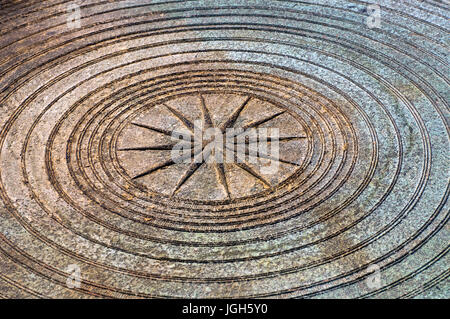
<point>359,205</point>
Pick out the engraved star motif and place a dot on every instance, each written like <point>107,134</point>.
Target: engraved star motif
<point>199,154</point>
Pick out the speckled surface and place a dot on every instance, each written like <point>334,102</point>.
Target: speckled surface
<point>357,209</point>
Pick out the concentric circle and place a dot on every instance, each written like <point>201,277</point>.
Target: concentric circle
<point>90,113</point>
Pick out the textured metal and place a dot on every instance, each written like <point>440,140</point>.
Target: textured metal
<point>86,176</point>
